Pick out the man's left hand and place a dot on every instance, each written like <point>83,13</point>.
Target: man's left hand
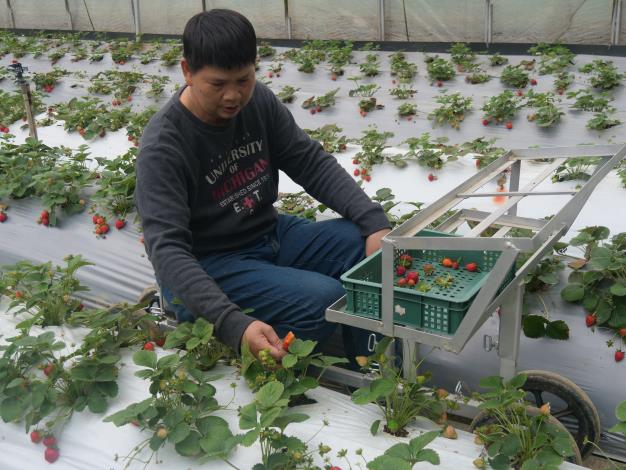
<point>373,242</point>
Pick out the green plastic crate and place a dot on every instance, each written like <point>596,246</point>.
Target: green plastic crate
<point>439,310</point>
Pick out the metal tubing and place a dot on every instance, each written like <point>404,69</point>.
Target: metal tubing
<point>488,22</point>
<point>458,243</point>
<point>11,14</point>
<point>409,359</point>
<point>135,9</point>
<point>520,193</point>
<point>509,331</point>
<point>381,19</point>
<point>566,152</point>
<point>69,15</point>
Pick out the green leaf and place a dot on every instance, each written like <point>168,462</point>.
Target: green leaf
<point>619,427</point>
<point>563,446</point>
<point>590,302</point>
<point>418,443</point>
<point>173,417</point>
<point>500,462</point>
<point>168,361</point>
<point>247,416</point>
<point>531,464</point>
<point>401,450</point>
<point>534,326</point>
<point>493,381</point>
<point>302,348</point>
<point>96,402</point>
<point>110,359</point>
<point>603,312</point>
<point>387,462</point>
<point>192,343</point>
<point>382,387</point>
<point>217,439</point>
<point>518,381</point>
<point>600,258</point>
<point>573,292</point>
<point>374,427</point>
<point>248,438</point>
<point>362,396</point>
<point>179,433</point>
<point>284,419</point>
<point>428,455</point>
<point>289,361</point>
<point>618,289</point>
<point>190,446</point>
<point>557,329</point>
<point>129,413</point>
<point>269,393</point>
<point>511,445</point>
<point>268,417</point>
<point>11,409</point>
<point>145,358</point>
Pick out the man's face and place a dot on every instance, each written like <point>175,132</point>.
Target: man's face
<point>218,94</point>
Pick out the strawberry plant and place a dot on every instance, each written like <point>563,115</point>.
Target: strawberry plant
<point>265,49</point>
<point>172,55</point>
<point>603,120</point>
<point>116,185</point>
<point>400,68</point>
<point>546,113</point>
<point>483,150</point>
<point>599,283</point>
<point>45,292</point>
<point>366,93</point>
<point>400,400</point>
<point>121,84</point>
<point>407,110</point>
<point>386,199</point>
<point>287,94</point>
<point>586,101</point>
<point>452,110</point>
<point>157,85</point>
<point>299,204</point>
<point>180,410</point>
<point>440,70</point>
<point>515,437</point>
<point>330,138</point>
<point>90,117</point>
<point>498,59</point>
<point>605,75</point>
<point>554,57</point>
<point>462,56</point>
<point>138,122</point>
<point>371,66</point>
<point>48,80</point>
<point>407,455</point>
<point>57,55</point>
<point>514,76</point>
<point>574,169</point>
<point>291,371</point>
<point>203,350</point>
<point>306,60</point>
<point>12,106</point>
<point>431,154</point>
<point>502,107</point>
<point>318,103</point>
<point>477,77</point>
<point>122,50</point>
<point>402,92</point>
<point>563,81</point>
<point>373,143</point>
<point>370,46</point>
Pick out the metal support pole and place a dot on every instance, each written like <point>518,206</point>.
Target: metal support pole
<point>11,14</point>
<point>203,5</point>
<point>616,18</point>
<point>509,334</point>
<point>287,19</point>
<point>28,104</point>
<point>135,8</point>
<point>381,19</point>
<point>488,22</point>
<point>69,15</point>
<point>410,357</point>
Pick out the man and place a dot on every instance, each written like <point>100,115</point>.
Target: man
<point>207,178</point>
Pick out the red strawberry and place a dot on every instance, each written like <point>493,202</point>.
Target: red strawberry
<point>47,371</point>
<point>485,122</point>
<point>270,74</point>
<point>364,171</point>
<point>356,172</point>
<point>44,214</point>
<point>3,217</point>
<point>590,320</point>
<point>402,281</point>
<point>413,276</point>
<point>130,98</point>
<point>51,455</point>
<point>36,437</point>
<point>98,231</point>
<point>18,294</point>
<point>355,161</point>
<point>122,62</point>
<point>94,219</point>
<point>520,93</point>
<point>509,125</point>
<point>82,132</point>
<point>619,355</point>
<point>319,109</point>
<point>367,178</point>
<point>160,341</point>
<point>406,261</point>
<point>471,267</point>
<point>333,77</point>
<point>622,332</point>
<point>455,265</point>
<point>334,467</point>
<point>439,83</point>
<point>49,441</point>
<point>100,220</point>
<point>149,346</point>
<point>120,224</point>
<point>533,82</point>
<point>410,282</point>
<point>431,177</point>
<point>362,113</point>
<point>477,163</point>
<point>312,111</point>
<point>400,271</point>
<point>45,222</point>
<point>446,262</point>
<point>104,228</point>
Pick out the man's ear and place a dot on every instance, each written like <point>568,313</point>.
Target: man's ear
<point>186,71</point>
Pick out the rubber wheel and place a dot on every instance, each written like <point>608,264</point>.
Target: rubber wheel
<point>574,409</point>
<point>484,417</point>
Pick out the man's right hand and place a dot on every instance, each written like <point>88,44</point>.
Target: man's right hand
<point>261,336</point>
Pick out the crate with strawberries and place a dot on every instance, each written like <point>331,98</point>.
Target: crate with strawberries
<point>433,289</point>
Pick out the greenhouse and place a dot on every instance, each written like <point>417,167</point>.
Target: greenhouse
<point>288,234</point>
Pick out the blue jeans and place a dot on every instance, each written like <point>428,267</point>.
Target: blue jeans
<point>289,277</point>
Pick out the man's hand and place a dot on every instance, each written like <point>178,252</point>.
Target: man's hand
<point>373,242</point>
<point>261,336</point>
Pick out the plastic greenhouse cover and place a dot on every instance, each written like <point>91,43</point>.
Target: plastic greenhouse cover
<point>122,271</point>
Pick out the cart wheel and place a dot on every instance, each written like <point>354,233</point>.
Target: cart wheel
<point>569,404</point>
<point>484,417</point>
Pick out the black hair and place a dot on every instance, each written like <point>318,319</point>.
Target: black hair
<point>221,38</point>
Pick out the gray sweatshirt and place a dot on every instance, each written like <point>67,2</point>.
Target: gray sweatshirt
<point>202,188</point>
